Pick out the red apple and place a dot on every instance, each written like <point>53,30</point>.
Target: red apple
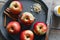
<point>40,28</point>
<point>16,7</point>
<point>27,18</point>
<point>27,35</point>
<point>13,27</point>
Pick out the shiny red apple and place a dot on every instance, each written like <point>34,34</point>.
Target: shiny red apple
<point>40,28</point>
<point>13,27</point>
<point>27,35</point>
<point>16,7</point>
<point>27,18</point>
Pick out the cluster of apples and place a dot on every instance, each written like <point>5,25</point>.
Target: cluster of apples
<point>27,18</point>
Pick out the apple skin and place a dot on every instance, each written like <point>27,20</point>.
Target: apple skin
<point>16,7</point>
<point>27,18</point>
<point>13,27</point>
<point>40,28</point>
<point>27,35</point>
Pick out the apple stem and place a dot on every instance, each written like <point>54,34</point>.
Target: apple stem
<point>27,36</point>
<point>41,27</point>
<point>16,5</point>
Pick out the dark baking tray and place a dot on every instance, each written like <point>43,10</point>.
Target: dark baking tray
<point>42,17</point>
